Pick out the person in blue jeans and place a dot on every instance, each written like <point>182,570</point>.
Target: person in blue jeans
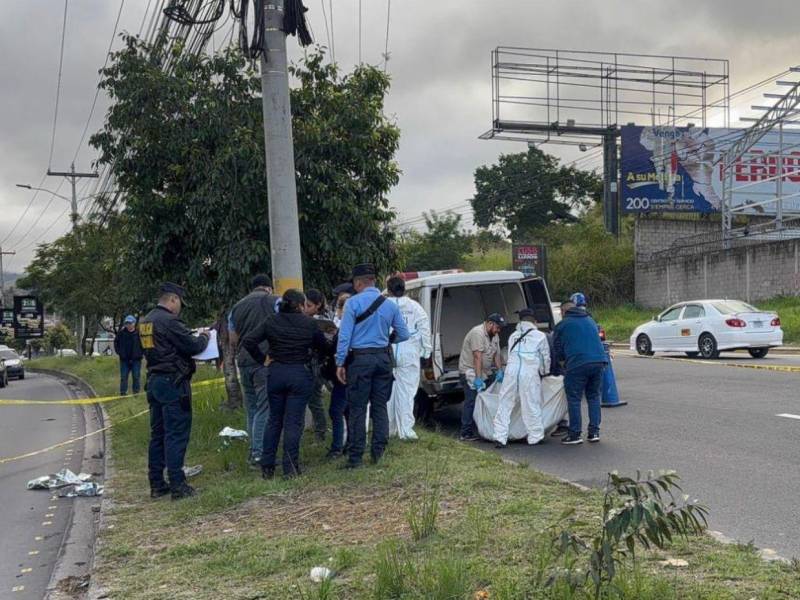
<point>292,336</point>
<point>128,347</point>
<point>577,344</point>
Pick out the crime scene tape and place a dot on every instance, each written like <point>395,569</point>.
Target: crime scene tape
<point>100,400</point>
<point>8,459</point>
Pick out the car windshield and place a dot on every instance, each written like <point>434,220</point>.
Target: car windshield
<point>8,354</point>
<point>730,307</point>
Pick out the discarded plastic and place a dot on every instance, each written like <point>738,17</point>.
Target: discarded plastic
<point>320,574</point>
<point>234,434</point>
<point>84,489</point>
<point>61,479</point>
<point>192,471</point>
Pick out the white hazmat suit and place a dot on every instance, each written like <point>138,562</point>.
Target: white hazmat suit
<point>407,367</point>
<point>528,362</point>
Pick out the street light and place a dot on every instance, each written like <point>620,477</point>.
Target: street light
<point>38,189</point>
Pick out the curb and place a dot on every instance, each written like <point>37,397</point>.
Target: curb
<point>774,350</point>
<point>77,556</point>
<point>766,554</point>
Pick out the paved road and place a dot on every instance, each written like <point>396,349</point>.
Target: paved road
<point>715,425</point>
<point>33,523</point>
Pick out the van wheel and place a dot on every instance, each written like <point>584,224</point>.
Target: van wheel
<point>643,346</point>
<point>423,408</point>
<point>758,352</point>
<point>708,346</point>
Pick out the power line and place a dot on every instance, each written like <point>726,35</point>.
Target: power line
<point>97,90</point>
<point>325,18</point>
<point>58,85</point>
<point>144,17</point>
<point>27,208</point>
<point>333,32</point>
<point>386,47</point>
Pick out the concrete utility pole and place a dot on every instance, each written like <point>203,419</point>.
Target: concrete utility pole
<point>284,227</point>
<point>72,176</point>
<point>3,278</point>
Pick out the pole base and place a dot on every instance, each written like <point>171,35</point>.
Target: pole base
<point>612,405</point>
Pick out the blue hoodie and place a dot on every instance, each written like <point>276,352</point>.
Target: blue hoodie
<point>576,340</point>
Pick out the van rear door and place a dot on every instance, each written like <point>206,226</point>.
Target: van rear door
<point>538,298</point>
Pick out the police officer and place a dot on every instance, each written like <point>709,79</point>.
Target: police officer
<point>168,347</point>
<point>364,364</point>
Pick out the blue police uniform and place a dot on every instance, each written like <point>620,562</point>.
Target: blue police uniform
<point>364,350</point>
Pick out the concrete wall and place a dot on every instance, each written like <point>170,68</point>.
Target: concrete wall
<point>653,234</point>
<point>751,274</point>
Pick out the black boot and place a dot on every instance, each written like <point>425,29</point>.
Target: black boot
<point>267,472</point>
<point>159,491</point>
<point>184,490</point>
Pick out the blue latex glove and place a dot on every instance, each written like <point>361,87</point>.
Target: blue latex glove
<point>479,384</point>
<point>500,376</point>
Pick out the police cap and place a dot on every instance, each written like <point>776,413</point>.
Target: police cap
<point>173,288</point>
<point>364,270</point>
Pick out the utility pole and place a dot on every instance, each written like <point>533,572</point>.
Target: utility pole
<point>3,277</point>
<point>284,227</point>
<point>72,176</point>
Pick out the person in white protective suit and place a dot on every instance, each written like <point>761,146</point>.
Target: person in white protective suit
<point>528,362</point>
<point>407,357</point>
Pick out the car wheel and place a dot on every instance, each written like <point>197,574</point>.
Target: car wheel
<point>3,381</point>
<point>758,352</point>
<point>643,346</point>
<point>708,346</point>
<point>692,354</point>
<point>22,375</point>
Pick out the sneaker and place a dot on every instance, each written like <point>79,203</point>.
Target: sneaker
<point>469,438</point>
<point>571,440</point>
<point>560,431</point>
<point>499,445</point>
<point>184,490</point>
<point>593,438</point>
<point>334,454</point>
<point>159,491</point>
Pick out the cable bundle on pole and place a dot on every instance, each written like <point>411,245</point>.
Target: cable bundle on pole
<point>294,21</point>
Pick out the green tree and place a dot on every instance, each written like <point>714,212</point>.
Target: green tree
<point>82,274</point>
<point>57,337</point>
<point>529,191</point>
<point>186,149</point>
<point>443,245</point>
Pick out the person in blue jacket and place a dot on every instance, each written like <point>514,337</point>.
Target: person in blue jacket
<point>577,345</point>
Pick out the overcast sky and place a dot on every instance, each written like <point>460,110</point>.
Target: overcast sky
<point>440,97</point>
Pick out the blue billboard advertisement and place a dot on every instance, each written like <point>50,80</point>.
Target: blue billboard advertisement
<point>676,169</point>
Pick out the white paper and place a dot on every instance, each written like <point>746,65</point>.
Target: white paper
<point>211,352</point>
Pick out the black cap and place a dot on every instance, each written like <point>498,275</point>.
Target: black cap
<point>173,288</point>
<point>526,312</point>
<point>260,280</point>
<point>344,288</point>
<point>496,318</point>
<point>364,270</point>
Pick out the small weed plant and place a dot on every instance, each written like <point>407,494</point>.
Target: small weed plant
<point>424,509</point>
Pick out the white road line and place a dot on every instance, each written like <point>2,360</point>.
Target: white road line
<point>788,416</point>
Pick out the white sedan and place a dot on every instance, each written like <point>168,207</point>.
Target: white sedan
<point>706,327</point>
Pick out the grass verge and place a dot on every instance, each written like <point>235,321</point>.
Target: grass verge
<point>620,321</point>
<point>245,538</point>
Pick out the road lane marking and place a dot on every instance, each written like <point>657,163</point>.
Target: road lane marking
<point>38,538</point>
<point>52,507</point>
<point>18,588</point>
<point>49,515</point>
<point>33,552</point>
<point>45,523</point>
<point>26,570</point>
<point>789,416</point>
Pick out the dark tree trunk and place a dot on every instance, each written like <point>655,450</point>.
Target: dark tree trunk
<point>228,356</point>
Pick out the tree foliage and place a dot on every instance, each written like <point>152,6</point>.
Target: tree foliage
<point>444,244</point>
<point>528,191</point>
<point>186,149</point>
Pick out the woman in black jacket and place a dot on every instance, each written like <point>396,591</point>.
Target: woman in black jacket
<point>292,336</point>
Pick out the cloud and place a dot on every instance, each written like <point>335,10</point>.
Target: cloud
<point>439,63</point>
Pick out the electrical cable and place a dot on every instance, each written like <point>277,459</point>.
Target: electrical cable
<point>333,32</point>
<point>97,90</point>
<point>25,212</point>
<point>325,18</point>
<point>58,85</point>
<point>386,47</point>
<point>144,17</point>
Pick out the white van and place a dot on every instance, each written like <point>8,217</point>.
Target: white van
<point>456,302</point>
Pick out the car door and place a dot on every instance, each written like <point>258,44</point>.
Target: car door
<point>690,326</point>
<point>664,333</point>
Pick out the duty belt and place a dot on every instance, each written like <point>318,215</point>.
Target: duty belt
<point>360,351</point>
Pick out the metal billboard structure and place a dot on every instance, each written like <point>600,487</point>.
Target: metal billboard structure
<point>580,98</point>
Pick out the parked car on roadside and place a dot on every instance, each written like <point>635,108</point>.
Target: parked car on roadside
<point>15,369</point>
<point>707,327</point>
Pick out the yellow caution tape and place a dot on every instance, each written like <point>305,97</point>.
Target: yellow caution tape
<point>100,400</point>
<point>777,368</point>
<point>9,459</point>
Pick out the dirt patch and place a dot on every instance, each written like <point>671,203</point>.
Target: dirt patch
<point>351,516</point>
<point>73,587</point>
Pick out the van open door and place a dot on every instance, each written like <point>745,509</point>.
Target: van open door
<point>436,354</point>
<point>538,298</point>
